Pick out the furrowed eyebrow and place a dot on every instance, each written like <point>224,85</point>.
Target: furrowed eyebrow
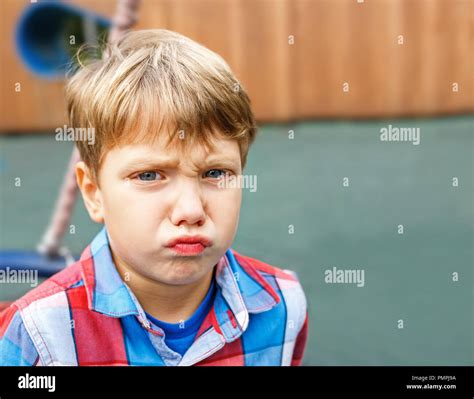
<point>221,162</point>
<point>149,164</point>
<point>226,164</point>
<point>172,163</point>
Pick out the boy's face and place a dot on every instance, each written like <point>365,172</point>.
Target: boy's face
<point>150,195</point>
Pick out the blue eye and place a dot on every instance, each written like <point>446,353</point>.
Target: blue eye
<point>148,176</point>
<point>215,173</point>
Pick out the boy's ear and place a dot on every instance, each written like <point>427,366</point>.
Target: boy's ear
<point>90,192</point>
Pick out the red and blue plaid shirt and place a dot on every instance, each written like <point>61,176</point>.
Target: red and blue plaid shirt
<point>87,315</point>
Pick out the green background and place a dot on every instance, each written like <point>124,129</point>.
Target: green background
<point>407,276</point>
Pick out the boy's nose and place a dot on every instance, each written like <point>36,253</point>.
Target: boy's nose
<point>189,207</point>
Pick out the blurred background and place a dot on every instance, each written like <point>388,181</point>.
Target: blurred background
<point>324,77</point>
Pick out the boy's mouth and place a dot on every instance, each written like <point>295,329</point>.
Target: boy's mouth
<point>189,245</point>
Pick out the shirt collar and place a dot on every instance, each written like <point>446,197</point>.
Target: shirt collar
<point>240,289</point>
<point>106,291</point>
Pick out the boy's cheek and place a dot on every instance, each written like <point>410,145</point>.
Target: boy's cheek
<point>227,216</point>
<point>227,203</point>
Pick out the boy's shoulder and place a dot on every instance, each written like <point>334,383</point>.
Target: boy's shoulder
<point>263,268</point>
<point>16,341</point>
<point>252,265</point>
<point>282,284</point>
<point>62,281</point>
<point>283,289</point>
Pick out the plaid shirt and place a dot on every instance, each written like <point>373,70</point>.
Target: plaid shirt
<point>86,315</point>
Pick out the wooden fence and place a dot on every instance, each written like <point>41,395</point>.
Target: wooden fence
<point>298,59</point>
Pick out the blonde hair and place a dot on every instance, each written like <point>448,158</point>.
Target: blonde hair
<point>152,80</point>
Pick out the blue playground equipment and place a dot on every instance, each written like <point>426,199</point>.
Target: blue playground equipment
<point>49,33</point>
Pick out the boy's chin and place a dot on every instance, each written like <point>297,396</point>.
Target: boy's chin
<point>184,273</point>
<point>188,279</point>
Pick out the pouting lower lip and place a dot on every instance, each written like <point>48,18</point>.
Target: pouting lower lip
<point>188,249</point>
<point>190,240</point>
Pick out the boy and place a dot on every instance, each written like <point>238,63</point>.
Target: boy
<point>160,285</point>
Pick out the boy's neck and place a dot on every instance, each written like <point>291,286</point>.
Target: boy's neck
<point>167,303</point>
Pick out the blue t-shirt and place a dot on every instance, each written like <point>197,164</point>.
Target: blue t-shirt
<point>179,337</point>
